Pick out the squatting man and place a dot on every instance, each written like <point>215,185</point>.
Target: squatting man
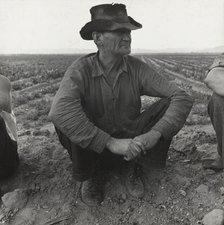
<point>96,111</point>
<point>9,158</point>
<point>215,81</point>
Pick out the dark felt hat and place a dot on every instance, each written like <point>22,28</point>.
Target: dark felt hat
<point>108,17</point>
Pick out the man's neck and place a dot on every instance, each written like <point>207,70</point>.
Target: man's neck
<point>109,62</point>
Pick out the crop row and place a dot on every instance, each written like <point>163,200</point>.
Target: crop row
<point>39,68</point>
<point>189,60</point>
<point>193,72</point>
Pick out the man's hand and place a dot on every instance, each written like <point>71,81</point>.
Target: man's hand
<point>148,140</point>
<point>135,149</point>
<point>126,147</point>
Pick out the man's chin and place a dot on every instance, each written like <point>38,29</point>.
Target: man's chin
<point>123,52</point>
<point>126,52</point>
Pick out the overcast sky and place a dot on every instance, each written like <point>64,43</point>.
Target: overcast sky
<point>52,26</point>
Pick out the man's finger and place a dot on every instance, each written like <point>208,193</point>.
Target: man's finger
<point>135,150</point>
<point>131,153</point>
<point>142,147</point>
<point>128,156</point>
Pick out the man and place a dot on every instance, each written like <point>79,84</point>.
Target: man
<point>215,81</point>
<point>96,110</point>
<point>9,159</point>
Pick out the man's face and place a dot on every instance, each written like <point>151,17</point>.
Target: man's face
<point>117,42</point>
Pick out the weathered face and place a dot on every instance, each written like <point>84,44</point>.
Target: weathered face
<point>117,42</point>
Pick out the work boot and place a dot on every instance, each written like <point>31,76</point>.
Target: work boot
<point>133,181</point>
<point>92,191</point>
<point>215,164</point>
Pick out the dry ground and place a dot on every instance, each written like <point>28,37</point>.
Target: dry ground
<point>181,194</point>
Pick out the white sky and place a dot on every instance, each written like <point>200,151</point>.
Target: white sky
<point>52,26</point>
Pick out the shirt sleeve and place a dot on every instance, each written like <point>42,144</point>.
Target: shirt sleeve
<point>68,115</point>
<point>214,75</point>
<point>153,84</point>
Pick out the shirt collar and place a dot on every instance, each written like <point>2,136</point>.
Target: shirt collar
<point>98,70</point>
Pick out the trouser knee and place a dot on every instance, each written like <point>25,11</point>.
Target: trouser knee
<point>9,160</point>
<point>2,123</point>
<point>84,161</point>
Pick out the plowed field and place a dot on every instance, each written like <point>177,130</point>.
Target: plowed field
<point>181,194</point>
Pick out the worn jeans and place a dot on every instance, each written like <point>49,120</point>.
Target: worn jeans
<point>216,113</point>
<point>85,160</point>
<point>9,159</point>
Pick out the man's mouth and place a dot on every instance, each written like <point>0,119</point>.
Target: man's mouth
<point>126,44</point>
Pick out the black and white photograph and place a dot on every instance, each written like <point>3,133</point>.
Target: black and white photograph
<point>111,113</point>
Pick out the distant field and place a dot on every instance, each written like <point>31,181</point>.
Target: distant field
<point>25,66</point>
<point>17,67</point>
<point>43,67</point>
<point>33,76</point>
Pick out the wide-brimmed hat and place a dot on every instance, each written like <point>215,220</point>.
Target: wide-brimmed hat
<point>108,17</point>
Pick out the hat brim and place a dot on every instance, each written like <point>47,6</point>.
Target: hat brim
<point>107,25</point>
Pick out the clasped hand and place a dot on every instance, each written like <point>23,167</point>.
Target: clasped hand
<point>133,148</point>
<point>126,147</point>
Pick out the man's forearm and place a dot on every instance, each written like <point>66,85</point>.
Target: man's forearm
<point>68,116</point>
<point>175,116</point>
<point>179,106</point>
<point>149,139</point>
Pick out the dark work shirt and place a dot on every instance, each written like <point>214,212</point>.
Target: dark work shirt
<point>88,110</point>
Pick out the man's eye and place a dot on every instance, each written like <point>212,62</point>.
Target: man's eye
<point>121,33</point>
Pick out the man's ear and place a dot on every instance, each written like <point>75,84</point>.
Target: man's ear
<point>97,38</point>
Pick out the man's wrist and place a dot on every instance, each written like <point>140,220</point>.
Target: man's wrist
<point>157,133</point>
<point>109,143</point>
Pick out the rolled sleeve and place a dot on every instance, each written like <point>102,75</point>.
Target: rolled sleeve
<point>166,129</point>
<point>181,103</point>
<point>68,115</point>
<point>214,77</point>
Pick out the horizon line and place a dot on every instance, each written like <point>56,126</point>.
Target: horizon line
<point>139,52</point>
